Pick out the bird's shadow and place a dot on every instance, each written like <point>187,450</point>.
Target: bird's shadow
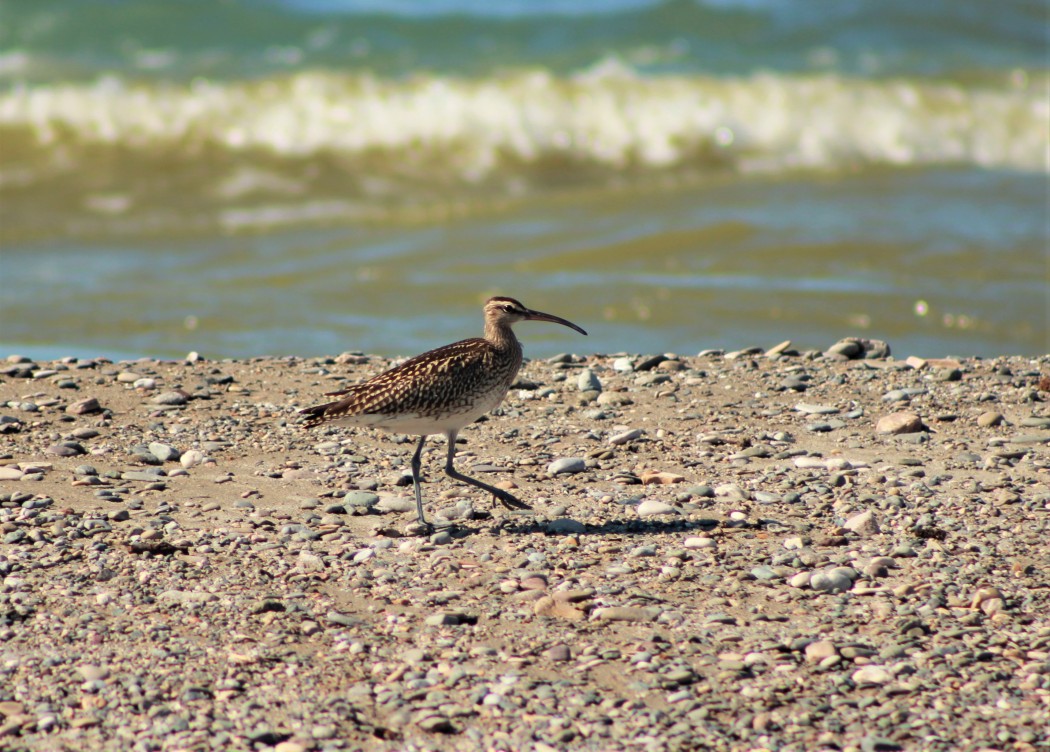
<point>610,527</point>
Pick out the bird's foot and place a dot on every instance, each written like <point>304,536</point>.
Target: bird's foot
<point>510,501</point>
<point>419,528</point>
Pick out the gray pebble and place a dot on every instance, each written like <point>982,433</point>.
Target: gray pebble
<point>170,398</point>
<point>164,452</point>
<point>587,381</point>
<point>362,499</point>
<point>653,507</point>
<point>567,465</point>
<point>565,526</point>
<point>625,437</point>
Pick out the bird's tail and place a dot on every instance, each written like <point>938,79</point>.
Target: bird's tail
<point>319,413</point>
<point>315,415</point>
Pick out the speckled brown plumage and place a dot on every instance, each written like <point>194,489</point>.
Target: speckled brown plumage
<point>441,390</point>
<point>435,386</point>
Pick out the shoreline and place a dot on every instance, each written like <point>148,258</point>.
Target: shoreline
<point>735,559</point>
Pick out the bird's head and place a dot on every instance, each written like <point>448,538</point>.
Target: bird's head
<point>501,311</point>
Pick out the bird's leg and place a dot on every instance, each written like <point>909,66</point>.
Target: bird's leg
<point>416,464</point>
<point>508,500</point>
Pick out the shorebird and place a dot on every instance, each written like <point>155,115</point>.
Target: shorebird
<point>441,391</point>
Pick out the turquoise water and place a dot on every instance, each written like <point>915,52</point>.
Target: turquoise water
<point>317,176</point>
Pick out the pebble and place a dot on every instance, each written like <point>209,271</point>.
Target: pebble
<point>188,597</point>
<point>864,523</point>
<point>872,675</point>
<point>565,526</point>
<point>551,607</point>
<point>697,542</point>
<point>821,650</point>
<point>625,437</point>
<point>653,507</point>
<point>364,500</point>
<point>388,503</point>
<point>191,458</point>
<point>86,406</point>
<point>731,492</point>
<point>587,381</point>
<point>559,653</point>
<point>854,347</point>
<point>66,449</point>
<point>170,398</point>
<point>92,673</point>
<point>624,613</point>
<point>897,423</point>
<point>810,409</point>
<point>567,465</point>
<point>164,452</point>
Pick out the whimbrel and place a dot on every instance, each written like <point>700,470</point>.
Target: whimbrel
<point>441,391</point>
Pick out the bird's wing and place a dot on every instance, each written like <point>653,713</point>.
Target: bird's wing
<point>445,378</point>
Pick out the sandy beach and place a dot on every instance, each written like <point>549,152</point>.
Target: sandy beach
<point>757,550</point>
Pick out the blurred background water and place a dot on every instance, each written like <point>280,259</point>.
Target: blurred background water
<point>312,176</point>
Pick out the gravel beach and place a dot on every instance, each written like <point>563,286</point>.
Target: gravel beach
<point>756,550</point>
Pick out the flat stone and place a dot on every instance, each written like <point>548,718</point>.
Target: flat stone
<point>141,476</point>
<point>898,423</point>
<point>614,399</point>
<point>696,542</point>
<point>854,348</point>
<point>872,675</point>
<point>830,582</point>
<point>554,608</point>
<point>652,507</point>
<point>778,349</point>
<point>864,523</point>
<point>86,406</point>
<point>1029,438</point>
<point>310,562</point>
<point>732,492</point>
<point>625,437</point>
<point>66,449</point>
<point>388,503</point>
<point>656,477</point>
<point>764,572</point>
<point>445,619</point>
<point>567,465</point>
<point>8,472</point>
<point>171,398</point>
<point>364,499</point>
<point>164,452</point>
<point>92,673</point>
<point>625,613</point>
<point>811,409</point>
<point>820,650</point>
<point>565,526</point>
<point>188,596</point>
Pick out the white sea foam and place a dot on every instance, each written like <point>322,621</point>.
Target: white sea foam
<point>607,119</point>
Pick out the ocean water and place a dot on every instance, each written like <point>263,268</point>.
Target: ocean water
<point>313,176</point>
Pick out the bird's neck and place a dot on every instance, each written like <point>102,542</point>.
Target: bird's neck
<point>503,339</point>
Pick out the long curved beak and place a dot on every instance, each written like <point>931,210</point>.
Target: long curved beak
<point>541,316</point>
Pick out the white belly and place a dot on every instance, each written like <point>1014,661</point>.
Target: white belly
<point>416,424</point>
